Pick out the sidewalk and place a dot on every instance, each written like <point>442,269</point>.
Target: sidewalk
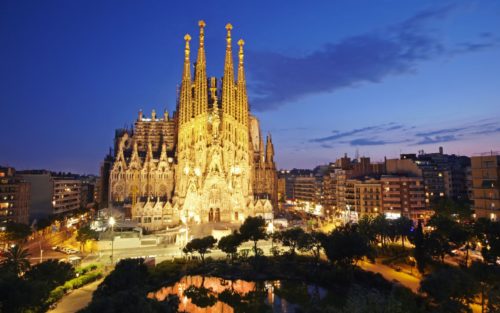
<point>76,300</point>
<point>391,274</point>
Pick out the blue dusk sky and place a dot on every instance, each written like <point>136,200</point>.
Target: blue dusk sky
<point>325,77</point>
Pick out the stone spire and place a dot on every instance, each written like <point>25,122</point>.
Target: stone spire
<point>269,149</point>
<point>120,158</point>
<point>149,153</point>
<point>135,160</point>
<point>262,150</point>
<point>228,79</point>
<point>163,154</point>
<point>200,79</point>
<point>215,111</point>
<point>241,89</point>
<point>185,102</point>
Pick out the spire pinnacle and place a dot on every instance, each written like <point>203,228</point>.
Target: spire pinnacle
<point>228,93</point>
<point>241,43</point>
<point>201,103</point>
<point>185,97</point>
<point>202,32</point>
<point>241,91</point>
<point>187,38</point>
<point>229,27</point>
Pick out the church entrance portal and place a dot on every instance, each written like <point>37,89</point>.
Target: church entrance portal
<point>214,215</point>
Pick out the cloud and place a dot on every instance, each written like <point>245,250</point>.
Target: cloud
<point>276,79</point>
<point>440,131</point>
<point>487,131</point>
<point>373,142</point>
<point>437,139</point>
<point>394,133</point>
<point>368,142</point>
<point>358,131</point>
<point>339,135</point>
<point>395,127</point>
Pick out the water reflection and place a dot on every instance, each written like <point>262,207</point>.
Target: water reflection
<point>213,294</point>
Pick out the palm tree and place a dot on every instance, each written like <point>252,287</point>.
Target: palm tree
<point>403,228</point>
<point>16,260</point>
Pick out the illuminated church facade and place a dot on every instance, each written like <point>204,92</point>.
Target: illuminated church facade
<point>205,163</point>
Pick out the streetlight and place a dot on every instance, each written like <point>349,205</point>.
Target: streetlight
<point>112,223</point>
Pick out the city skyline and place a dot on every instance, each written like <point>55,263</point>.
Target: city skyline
<point>401,79</point>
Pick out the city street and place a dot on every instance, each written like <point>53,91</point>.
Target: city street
<point>46,243</point>
<point>162,253</point>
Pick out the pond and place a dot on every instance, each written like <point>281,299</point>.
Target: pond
<point>213,294</point>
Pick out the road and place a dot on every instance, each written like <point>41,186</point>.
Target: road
<point>391,274</point>
<point>162,253</point>
<point>76,300</point>
<point>46,242</point>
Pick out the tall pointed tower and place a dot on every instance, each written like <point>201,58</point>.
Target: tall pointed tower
<point>214,168</point>
<point>199,166</point>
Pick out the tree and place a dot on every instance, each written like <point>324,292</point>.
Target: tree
<point>403,227</point>
<point>128,274</point>
<point>450,289</point>
<point>437,245</point>
<point>446,236</point>
<point>229,244</point>
<point>15,292</point>
<point>419,252</point>
<point>312,242</point>
<point>253,229</point>
<point>85,234</point>
<point>290,238</point>
<point>16,260</point>
<point>453,208</point>
<point>381,228</point>
<point>488,278</point>
<point>345,246</point>
<point>16,231</point>
<point>488,234</point>
<point>53,272</point>
<point>367,229</point>
<point>200,245</point>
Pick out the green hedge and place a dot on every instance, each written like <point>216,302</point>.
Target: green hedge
<point>88,268</point>
<point>75,283</point>
<point>83,280</point>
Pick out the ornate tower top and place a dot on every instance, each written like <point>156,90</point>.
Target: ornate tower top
<point>241,93</point>
<point>228,80</point>
<point>241,43</point>
<point>229,27</point>
<point>200,78</point>
<point>187,38</point>
<point>202,32</point>
<point>185,98</point>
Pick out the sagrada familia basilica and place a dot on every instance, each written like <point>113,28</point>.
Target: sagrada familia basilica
<point>206,163</point>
